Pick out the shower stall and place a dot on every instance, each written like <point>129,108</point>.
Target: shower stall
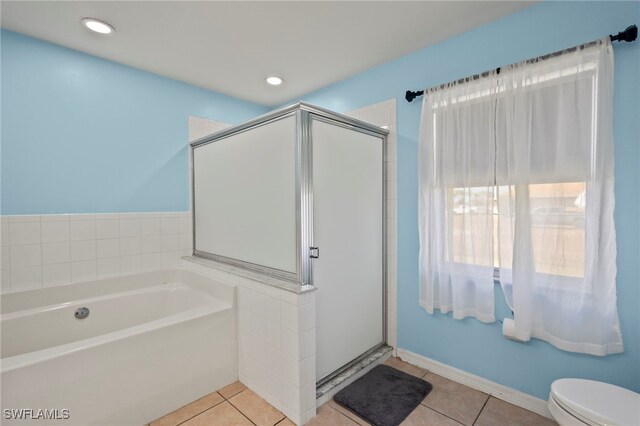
<point>298,195</point>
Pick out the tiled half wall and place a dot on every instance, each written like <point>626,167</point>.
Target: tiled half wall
<point>276,341</point>
<point>46,250</point>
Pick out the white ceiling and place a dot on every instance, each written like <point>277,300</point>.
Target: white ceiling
<point>230,47</point>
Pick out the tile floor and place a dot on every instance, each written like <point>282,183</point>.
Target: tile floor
<point>448,404</point>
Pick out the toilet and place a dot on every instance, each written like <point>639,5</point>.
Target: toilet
<point>587,402</point>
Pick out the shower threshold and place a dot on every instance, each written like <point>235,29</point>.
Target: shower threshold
<point>351,372</point>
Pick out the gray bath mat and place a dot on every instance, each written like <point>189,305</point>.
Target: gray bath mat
<point>384,396</point>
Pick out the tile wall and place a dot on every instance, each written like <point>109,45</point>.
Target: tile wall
<point>47,250</point>
<point>199,127</point>
<point>276,341</point>
<point>384,114</point>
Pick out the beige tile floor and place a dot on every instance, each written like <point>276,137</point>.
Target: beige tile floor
<point>448,404</point>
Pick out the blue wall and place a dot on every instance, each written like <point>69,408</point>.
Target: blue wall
<point>82,134</point>
<point>470,345</point>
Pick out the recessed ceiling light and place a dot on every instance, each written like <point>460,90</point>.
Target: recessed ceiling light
<point>274,81</point>
<point>97,26</point>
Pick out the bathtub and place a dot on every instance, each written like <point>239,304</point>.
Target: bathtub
<point>151,343</point>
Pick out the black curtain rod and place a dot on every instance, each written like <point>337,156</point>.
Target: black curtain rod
<point>629,34</point>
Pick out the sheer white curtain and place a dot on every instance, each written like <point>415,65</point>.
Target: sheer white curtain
<point>555,176</point>
<point>457,152</point>
<point>516,174</point>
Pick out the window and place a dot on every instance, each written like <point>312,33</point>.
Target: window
<point>557,218</point>
<point>516,184</point>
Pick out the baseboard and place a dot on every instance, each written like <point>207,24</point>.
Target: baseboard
<point>494,389</point>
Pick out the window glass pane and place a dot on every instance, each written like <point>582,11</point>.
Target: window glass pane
<point>472,219</point>
<point>557,220</point>
<point>557,228</point>
<point>504,226</point>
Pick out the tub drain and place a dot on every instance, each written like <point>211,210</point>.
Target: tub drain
<point>82,313</point>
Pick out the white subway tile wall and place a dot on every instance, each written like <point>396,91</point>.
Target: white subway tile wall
<point>384,114</point>
<point>46,250</point>
<point>276,342</point>
<point>198,128</point>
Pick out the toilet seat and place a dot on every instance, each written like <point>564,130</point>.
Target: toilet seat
<point>563,417</point>
<point>597,403</point>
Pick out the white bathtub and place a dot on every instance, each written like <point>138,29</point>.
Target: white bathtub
<point>151,343</point>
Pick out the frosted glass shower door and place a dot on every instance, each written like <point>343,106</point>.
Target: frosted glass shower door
<point>348,229</point>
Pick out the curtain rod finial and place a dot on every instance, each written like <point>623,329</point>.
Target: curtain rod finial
<point>629,34</point>
<point>410,95</point>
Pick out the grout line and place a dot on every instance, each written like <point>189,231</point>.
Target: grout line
<point>445,415</point>
<point>237,393</point>
<point>246,415</point>
<point>480,412</point>
<point>345,416</point>
<point>339,408</point>
<point>240,411</point>
<point>186,420</point>
<point>431,408</point>
<point>196,415</point>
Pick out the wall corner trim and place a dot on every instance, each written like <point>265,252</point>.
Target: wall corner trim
<point>494,389</point>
